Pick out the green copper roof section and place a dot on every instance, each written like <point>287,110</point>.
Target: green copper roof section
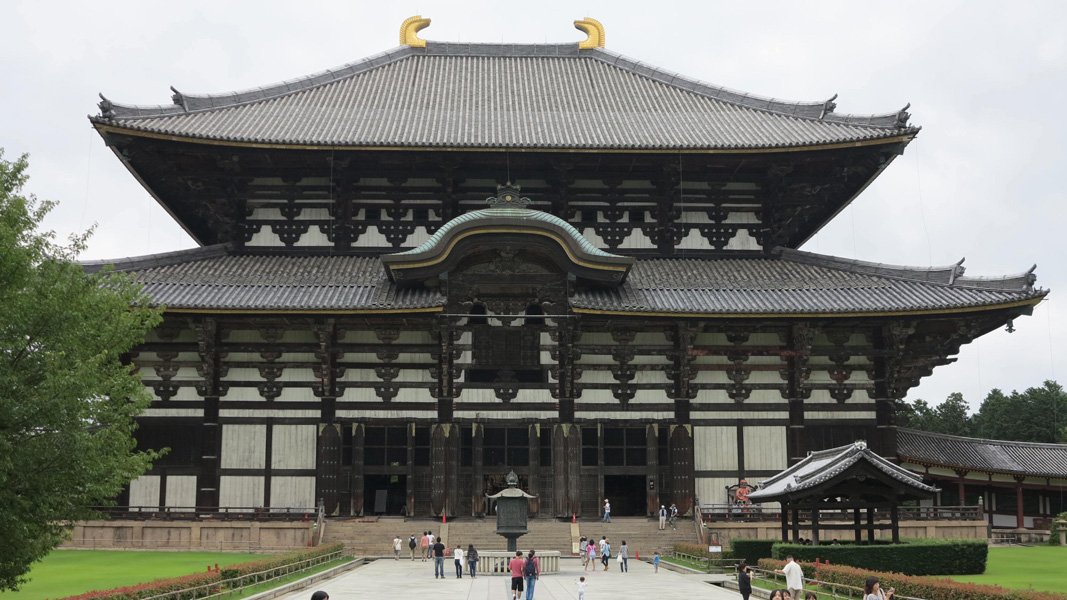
<point>493,214</point>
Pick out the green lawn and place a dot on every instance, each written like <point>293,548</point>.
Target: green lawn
<point>69,572</point>
<point>1036,567</point>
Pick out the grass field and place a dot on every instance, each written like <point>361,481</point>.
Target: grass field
<point>69,572</point>
<point>1035,567</point>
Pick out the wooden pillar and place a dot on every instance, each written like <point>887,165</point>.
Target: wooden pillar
<point>858,526</point>
<point>894,518</point>
<point>815,525</point>
<point>652,460</point>
<point>785,522</point>
<point>409,480</point>
<point>208,479</point>
<point>444,458</point>
<point>1020,515</point>
<point>870,524</point>
<point>478,470</point>
<point>961,488</point>
<point>796,525</point>
<point>534,432</point>
<point>359,435</point>
<point>327,466</point>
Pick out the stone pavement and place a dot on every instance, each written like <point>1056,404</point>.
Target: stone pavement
<point>405,579</point>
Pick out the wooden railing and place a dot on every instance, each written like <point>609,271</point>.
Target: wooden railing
<point>711,513</point>
<point>188,513</point>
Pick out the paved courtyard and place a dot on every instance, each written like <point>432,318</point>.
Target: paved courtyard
<point>406,579</point>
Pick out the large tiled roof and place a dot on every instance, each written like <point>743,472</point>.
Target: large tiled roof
<point>799,282</point>
<point>792,282</point>
<point>823,466</point>
<point>501,96</point>
<point>972,454</point>
<point>210,278</point>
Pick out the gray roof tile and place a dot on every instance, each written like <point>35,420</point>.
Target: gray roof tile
<point>500,96</point>
<point>793,282</point>
<point>1023,458</point>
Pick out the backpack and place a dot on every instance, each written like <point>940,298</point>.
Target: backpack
<point>411,543</point>
<point>530,568</point>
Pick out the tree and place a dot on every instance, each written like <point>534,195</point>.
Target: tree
<point>948,417</point>
<point>1039,414</point>
<point>67,400</point>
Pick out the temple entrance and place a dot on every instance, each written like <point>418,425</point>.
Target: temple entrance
<point>384,494</point>
<point>627,495</point>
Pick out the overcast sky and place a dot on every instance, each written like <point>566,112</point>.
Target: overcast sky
<point>987,82</point>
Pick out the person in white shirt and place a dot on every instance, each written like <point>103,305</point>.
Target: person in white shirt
<point>581,588</point>
<point>457,557</point>
<point>396,547</point>
<point>662,517</point>
<point>794,577</point>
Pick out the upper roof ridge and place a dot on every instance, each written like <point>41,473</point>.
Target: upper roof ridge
<point>908,430</point>
<point>946,275</point>
<point>162,259</point>
<point>822,110</point>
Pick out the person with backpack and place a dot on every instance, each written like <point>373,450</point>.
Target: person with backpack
<point>531,570</point>
<point>412,544</point>
<point>472,559</point>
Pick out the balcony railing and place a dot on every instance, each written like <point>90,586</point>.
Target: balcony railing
<point>188,513</point>
<point>720,513</point>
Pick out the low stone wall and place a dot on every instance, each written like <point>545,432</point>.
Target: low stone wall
<point>496,563</point>
<point>243,536</point>
<point>769,530</point>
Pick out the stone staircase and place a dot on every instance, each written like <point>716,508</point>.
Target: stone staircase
<point>642,534</point>
<point>374,537</point>
<point>545,534</point>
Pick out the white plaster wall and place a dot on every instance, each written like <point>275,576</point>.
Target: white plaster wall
<point>181,491</point>
<point>144,491</point>
<point>293,447</point>
<point>292,492</point>
<point>765,447</point>
<point>243,446</point>
<point>715,447</point>
<point>244,491</point>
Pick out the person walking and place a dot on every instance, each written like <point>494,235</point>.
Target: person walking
<point>624,558</point>
<point>605,554</point>
<point>655,562</point>
<point>794,577</point>
<point>531,571</point>
<point>432,540</point>
<point>438,550</point>
<point>457,558</point>
<point>515,566</point>
<point>425,542</point>
<point>396,547</point>
<point>872,590</point>
<point>472,559</point>
<point>674,516</point>
<point>412,544</point>
<point>590,555</point>
<point>744,581</point>
<point>582,550</point>
<point>581,588</point>
<point>662,517</point>
<point>607,511</point>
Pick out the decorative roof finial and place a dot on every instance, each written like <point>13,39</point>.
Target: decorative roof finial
<point>592,28</point>
<point>409,31</point>
<point>508,196</point>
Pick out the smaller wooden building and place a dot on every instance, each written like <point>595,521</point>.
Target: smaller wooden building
<point>1020,485</point>
<point>825,487</point>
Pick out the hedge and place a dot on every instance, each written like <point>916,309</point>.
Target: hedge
<point>919,557</point>
<point>752,550</point>
<point>174,584</point>
<point>930,588</point>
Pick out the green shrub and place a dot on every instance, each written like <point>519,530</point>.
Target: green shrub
<point>930,588</point>
<point>920,557</point>
<point>752,550</point>
<point>701,551</point>
<point>1054,539</point>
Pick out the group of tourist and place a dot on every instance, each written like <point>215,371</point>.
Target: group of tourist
<point>668,516</point>
<point>794,584</point>
<point>433,548</point>
<point>593,551</point>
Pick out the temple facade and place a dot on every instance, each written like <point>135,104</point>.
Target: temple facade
<point>422,270</point>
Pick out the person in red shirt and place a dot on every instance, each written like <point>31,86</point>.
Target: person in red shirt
<point>515,566</point>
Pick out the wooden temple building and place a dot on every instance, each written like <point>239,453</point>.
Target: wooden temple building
<point>427,268</point>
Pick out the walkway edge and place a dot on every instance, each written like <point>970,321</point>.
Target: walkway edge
<point>300,584</point>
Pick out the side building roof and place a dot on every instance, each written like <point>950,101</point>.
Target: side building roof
<point>790,284</point>
<point>486,96</point>
<point>985,456</point>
